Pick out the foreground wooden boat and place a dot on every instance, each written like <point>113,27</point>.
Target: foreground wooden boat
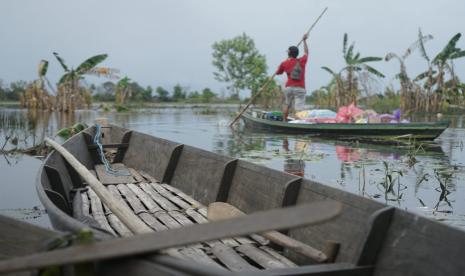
<point>417,131</point>
<point>170,184</point>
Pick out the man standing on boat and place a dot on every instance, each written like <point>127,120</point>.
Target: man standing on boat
<point>294,91</point>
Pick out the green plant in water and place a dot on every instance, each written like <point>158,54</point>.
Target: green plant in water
<point>392,179</point>
<point>443,178</point>
<point>121,108</point>
<point>413,150</point>
<point>68,132</point>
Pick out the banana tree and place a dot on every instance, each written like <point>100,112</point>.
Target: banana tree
<point>123,91</point>
<point>70,93</point>
<point>354,64</point>
<point>407,100</point>
<point>442,63</point>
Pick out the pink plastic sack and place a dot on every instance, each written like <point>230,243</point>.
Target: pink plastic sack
<point>346,114</point>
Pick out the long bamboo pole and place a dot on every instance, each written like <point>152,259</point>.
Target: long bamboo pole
<point>272,77</point>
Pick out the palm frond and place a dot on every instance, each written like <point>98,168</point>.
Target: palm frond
<point>43,66</point>
<point>344,44</point>
<point>423,75</point>
<point>61,61</point>
<point>90,63</point>
<point>445,54</point>
<point>458,54</point>
<point>373,71</point>
<point>369,59</point>
<point>328,70</point>
<point>421,44</point>
<point>418,44</point>
<point>350,53</point>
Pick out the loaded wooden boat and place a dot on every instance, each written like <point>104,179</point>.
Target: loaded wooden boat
<point>413,130</point>
<point>168,185</point>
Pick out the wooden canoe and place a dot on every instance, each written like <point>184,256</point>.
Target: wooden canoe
<point>414,130</point>
<point>170,184</point>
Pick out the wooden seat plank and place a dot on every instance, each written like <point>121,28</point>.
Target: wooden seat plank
<point>199,256</point>
<point>170,196</point>
<point>231,259</point>
<point>260,257</point>
<point>97,212</point>
<point>278,256</point>
<point>107,178</point>
<point>159,199</point>
<point>132,199</point>
<point>149,203</point>
<point>85,204</point>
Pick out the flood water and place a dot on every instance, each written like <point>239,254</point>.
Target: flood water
<point>428,180</point>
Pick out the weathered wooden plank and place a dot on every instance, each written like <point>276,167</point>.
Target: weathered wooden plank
<point>194,203</point>
<point>85,204</point>
<point>243,240</point>
<point>170,196</point>
<point>107,178</point>
<point>198,218</point>
<point>152,222</point>
<point>167,220</point>
<point>260,257</point>
<point>97,212</point>
<point>159,199</point>
<point>278,256</point>
<point>132,199</point>
<point>149,203</point>
<point>116,223</point>
<point>199,256</point>
<point>137,176</point>
<point>149,177</point>
<point>114,191</point>
<point>260,239</point>
<point>203,211</point>
<point>231,259</point>
<point>179,217</point>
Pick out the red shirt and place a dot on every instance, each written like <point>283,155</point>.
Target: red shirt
<point>288,65</point>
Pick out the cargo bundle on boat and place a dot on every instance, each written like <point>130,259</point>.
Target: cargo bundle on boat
<point>356,131</point>
<point>168,186</point>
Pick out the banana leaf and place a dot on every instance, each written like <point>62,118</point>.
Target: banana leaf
<point>90,63</point>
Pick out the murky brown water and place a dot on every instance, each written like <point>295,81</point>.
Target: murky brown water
<point>434,186</point>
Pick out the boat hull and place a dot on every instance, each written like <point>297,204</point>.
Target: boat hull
<point>418,131</point>
<point>374,238</point>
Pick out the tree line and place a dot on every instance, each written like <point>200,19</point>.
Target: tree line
<point>239,64</point>
<point>241,67</point>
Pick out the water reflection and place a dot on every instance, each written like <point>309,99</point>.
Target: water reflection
<point>432,185</point>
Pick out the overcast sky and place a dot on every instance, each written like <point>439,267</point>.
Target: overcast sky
<point>169,42</point>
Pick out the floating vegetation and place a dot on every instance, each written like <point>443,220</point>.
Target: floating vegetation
<point>68,132</point>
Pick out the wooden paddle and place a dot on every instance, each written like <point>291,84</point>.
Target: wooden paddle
<point>284,218</point>
<point>221,210</point>
<point>272,77</point>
